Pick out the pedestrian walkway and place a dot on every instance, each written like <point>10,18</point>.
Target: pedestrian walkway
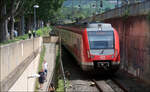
<point>50,55</point>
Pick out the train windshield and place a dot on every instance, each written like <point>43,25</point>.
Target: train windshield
<point>101,39</point>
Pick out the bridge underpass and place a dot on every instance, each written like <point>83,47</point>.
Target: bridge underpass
<point>133,25</point>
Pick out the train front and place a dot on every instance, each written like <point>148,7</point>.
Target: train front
<point>103,47</point>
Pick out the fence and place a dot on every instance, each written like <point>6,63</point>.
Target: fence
<point>130,10</point>
<point>58,72</point>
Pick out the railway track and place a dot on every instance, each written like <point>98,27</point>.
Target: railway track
<point>120,85</point>
<point>80,81</point>
<point>110,85</point>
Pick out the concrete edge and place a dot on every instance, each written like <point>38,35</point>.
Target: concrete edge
<point>20,41</point>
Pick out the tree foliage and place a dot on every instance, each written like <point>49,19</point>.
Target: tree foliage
<point>9,9</point>
<point>48,8</point>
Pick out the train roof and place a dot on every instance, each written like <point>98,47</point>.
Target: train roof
<point>73,29</point>
<point>90,27</point>
<point>99,26</point>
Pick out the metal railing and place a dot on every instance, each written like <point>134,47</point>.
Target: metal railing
<point>132,10</point>
<point>142,8</point>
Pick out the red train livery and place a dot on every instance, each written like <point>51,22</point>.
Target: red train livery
<point>95,46</point>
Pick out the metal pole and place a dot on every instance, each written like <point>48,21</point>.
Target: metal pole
<point>27,84</point>
<point>96,6</point>
<point>117,3</point>
<point>72,10</point>
<point>72,6</point>
<point>90,9</point>
<point>101,6</point>
<point>80,6</point>
<point>80,3</point>
<point>34,18</point>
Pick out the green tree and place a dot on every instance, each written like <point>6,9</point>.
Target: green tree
<point>9,9</point>
<point>48,8</point>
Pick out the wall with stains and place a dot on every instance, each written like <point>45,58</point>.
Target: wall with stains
<point>134,35</point>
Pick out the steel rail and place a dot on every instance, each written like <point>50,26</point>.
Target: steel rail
<point>97,86</point>
<point>119,85</point>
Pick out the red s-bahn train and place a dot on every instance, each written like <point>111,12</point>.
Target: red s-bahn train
<point>95,46</point>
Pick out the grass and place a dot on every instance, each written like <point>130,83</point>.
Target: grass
<point>40,32</point>
<point>15,39</point>
<point>40,66</point>
<point>60,86</point>
<point>42,58</point>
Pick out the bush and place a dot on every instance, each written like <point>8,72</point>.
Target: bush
<point>43,31</point>
<point>40,32</point>
<point>22,37</point>
<point>15,39</point>
<point>60,86</point>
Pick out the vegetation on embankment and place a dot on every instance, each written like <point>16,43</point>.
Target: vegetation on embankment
<point>60,80</point>
<point>43,31</point>
<point>15,39</point>
<point>19,15</point>
<point>40,32</point>
<point>40,65</point>
<point>61,86</point>
<point>42,58</point>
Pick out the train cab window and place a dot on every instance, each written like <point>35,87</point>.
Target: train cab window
<point>101,39</point>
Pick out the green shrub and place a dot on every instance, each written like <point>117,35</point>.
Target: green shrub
<point>42,57</point>
<point>22,37</point>
<point>43,31</point>
<point>40,66</point>
<point>39,32</point>
<point>15,39</point>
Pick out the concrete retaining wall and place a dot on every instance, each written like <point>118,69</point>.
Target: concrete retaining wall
<point>17,56</point>
<point>134,35</point>
<point>24,83</point>
<point>52,39</point>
